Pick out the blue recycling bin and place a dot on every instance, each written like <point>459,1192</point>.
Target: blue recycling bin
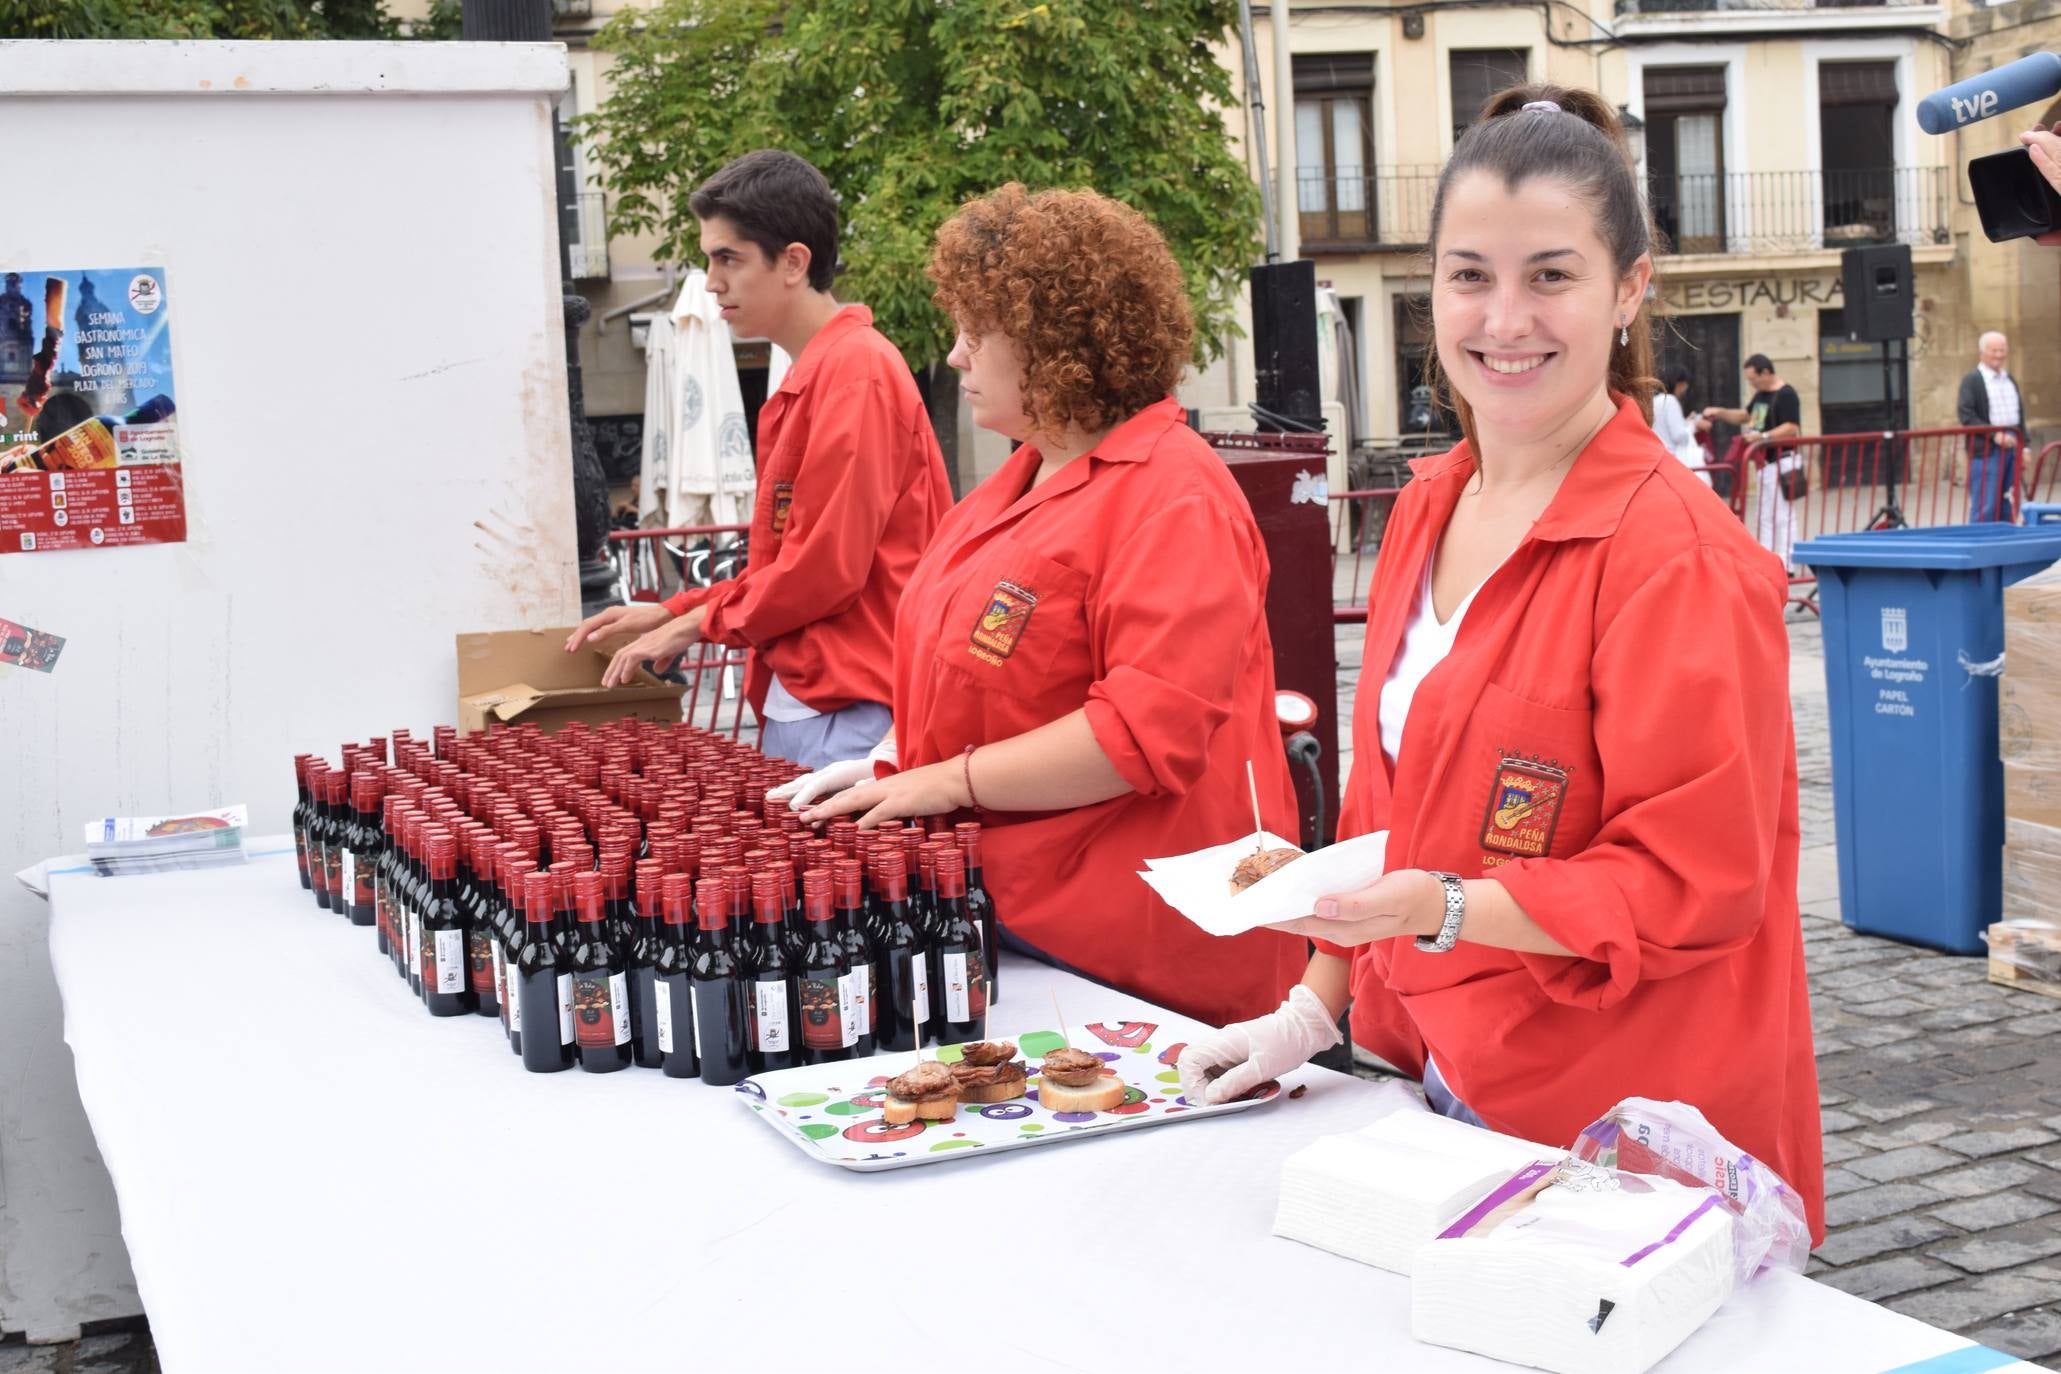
<point>1914,639</point>
<point>2038,514</point>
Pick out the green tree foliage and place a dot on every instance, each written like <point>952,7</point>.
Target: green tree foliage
<point>911,107</point>
<point>218,19</point>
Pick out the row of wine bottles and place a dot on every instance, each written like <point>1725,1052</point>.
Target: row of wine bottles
<point>623,897</point>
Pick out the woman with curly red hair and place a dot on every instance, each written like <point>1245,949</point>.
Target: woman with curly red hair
<point>1083,653</point>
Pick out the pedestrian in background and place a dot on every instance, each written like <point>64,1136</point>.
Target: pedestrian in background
<point>1989,398</point>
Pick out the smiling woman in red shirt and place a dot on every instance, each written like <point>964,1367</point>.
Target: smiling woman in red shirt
<point>1083,651</point>
<point>1579,738</point>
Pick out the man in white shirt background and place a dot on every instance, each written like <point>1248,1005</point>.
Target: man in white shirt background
<point>1989,397</point>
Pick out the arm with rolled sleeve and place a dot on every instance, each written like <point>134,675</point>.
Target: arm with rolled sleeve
<point>850,476</point>
<point>1170,616</point>
<point>1692,727</point>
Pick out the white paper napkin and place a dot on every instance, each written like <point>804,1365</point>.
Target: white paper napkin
<point>1198,885</point>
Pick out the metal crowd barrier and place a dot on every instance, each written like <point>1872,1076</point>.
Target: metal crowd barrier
<point>1357,521</point>
<point>652,564</point>
<point>1796,489</point>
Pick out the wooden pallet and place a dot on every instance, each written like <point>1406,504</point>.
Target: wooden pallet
<point>2026,956</point>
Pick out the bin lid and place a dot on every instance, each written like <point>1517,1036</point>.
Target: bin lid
<point>2024,549</point>
<point>2037,513</point>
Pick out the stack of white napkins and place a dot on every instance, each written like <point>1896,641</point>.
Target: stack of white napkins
<point>1604,1274</point>
<point>1377,1195</point>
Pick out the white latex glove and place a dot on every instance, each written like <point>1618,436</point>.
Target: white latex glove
<point>1251,1052</point>
<point>805,791</point>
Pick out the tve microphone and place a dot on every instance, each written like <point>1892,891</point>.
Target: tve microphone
<point>2006,88</point>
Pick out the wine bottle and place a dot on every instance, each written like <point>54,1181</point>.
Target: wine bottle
<point>601,994</point>
<point>862,982</point>
<point>446,988</point>
<point>959,948</point>
<point>300,818</point>
<point>644,951</point>
<point>318,831</point>
<point>981,906</point>
<point>362,846</point>
<point>902,1006</point>
<point>544,974</point>
<point>672,977</point>
<point>411,903</point>
<point>336,839</point>
<point>481,939</point>
<point>776,1004</point>
<point>722,997</point>
<point>514,870</point>
<point>824,991</point>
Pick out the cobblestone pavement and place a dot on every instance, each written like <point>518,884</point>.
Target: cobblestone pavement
<point>1941,1094</point>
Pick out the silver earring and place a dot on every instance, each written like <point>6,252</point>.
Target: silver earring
<point>1624,334</point>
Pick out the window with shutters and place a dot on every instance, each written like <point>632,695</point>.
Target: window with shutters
<point>1685,156</point>
<point>1477,74</point>
<point>1334,149</point>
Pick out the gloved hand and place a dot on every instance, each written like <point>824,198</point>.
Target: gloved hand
<point>1251,1052</point>
<point>803,792</point>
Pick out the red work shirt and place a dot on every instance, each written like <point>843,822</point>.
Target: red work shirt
<point>851,487</point>
<point>1131,583</point>
<point>1610,739</point>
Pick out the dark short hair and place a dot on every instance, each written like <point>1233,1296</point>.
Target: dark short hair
<point>775,199</point>
<point>1759,363</point>
<point>1674,376</point>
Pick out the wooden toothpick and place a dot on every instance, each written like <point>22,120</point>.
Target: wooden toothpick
<point>1259,827</point>
<point>1060,1016</point>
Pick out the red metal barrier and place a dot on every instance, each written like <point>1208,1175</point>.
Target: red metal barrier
<point>2043,482</point>
<point>1357,519</point>
<point>714,674</point>
<point>1840,483</point>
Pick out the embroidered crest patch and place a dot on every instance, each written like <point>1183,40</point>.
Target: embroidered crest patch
<point>1001,625</point>
<point>783,505</point>
<point>1524,806</point>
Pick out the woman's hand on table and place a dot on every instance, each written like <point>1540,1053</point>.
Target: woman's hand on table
<point>932,790</point>
<point>1227,1064</point>
<point>1408,901</point>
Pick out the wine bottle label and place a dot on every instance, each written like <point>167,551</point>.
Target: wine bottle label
<point>694,996</point>
<point>500,973</point>
<point>511,995</point>
<point>450,961</point>
<point>849,1027</point>
<point>770,1017</point>
<point>565,1010</point>
<point>601,1006</point>
<point>300,848</point>
<point>414,942</point>
<point>350,877</point>
<point>361,886</point>
<point>920,968</point>
<point>858,1003</point>
<point>822,1026</point>
<point>479,953</point>
<point>663,999</point>
<point>965,998</point>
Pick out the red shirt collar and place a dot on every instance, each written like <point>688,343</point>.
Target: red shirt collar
<point>847,319</point>
<point>1593,496</point>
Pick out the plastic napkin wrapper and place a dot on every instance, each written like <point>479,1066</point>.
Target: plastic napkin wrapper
<point>1198,885</point>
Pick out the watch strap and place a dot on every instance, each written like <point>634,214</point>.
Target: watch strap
<point>1456,912</point>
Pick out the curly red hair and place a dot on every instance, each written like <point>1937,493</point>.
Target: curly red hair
<point>1084,285</point>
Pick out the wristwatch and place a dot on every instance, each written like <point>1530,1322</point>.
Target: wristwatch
<point>1456,912</point>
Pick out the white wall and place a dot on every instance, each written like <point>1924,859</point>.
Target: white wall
<point>362,258</point>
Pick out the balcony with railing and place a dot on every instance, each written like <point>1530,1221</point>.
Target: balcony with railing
<point>586,230</point>
<point>1732,212</point>
<point>1750,8</point>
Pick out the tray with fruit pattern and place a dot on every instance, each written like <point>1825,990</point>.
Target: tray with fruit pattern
<point>833,1111</point>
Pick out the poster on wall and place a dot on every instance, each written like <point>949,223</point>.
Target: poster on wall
<point>89,433</point>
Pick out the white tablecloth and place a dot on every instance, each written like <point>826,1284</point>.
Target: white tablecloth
<point>314,1174</point>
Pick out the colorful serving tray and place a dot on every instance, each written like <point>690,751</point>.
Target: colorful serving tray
<point>832,1112</point>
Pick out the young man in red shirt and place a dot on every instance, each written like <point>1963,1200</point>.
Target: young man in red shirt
<point>850,481</point>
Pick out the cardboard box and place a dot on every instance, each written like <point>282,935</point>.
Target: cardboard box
<point>523,676</point>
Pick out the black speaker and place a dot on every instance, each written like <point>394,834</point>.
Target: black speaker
<point>1284,339</point>
<point>1877,283</point>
